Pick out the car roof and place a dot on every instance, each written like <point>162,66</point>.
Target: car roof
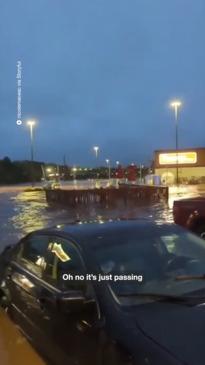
<point>86,232</point>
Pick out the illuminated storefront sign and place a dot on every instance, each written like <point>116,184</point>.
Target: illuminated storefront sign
<point>182,158</point>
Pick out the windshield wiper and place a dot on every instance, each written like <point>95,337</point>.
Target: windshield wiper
<point>190,277</point>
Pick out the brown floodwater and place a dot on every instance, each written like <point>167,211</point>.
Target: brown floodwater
<point>14,348</point>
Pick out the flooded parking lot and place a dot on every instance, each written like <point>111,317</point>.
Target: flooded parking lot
<point>22,212</point>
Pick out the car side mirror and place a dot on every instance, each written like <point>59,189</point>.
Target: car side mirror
<point>72,301</point>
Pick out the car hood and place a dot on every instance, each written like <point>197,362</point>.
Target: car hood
<point>178,328</point>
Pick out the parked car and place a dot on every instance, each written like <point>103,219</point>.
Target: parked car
<point>190,213</point>
<point>156,319</point>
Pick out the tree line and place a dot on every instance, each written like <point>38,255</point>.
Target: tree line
<point>14,172</point>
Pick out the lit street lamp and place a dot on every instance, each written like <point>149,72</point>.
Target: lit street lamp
<point>74,170</point>
<point>175,105</point>
<point>108,163</point>
<point>96,150</point>
<point>31,124</point>
<point>141,168</point>
<point>117,163</point>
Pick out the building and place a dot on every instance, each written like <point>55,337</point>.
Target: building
<point>190,162</point>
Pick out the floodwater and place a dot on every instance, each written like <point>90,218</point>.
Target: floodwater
<point>22,212</point>
<point>14,348</point>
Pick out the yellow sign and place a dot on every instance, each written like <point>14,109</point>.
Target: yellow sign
<point>181,158</point>
<point>58,250</point>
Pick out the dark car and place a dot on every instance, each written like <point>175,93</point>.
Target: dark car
<point>190,213</point>
<point>113,293</point>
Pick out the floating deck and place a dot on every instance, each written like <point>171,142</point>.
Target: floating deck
<point>125,195</point>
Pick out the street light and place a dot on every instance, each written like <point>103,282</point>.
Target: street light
<point>117,173</point>
<point>108,163</point>
<point>141,168</point>
<point>175,105</point>
<point>31,124</point>
<point>96,150</point>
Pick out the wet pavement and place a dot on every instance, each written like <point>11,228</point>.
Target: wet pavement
<point>14,348</point>
<point>22,212</point>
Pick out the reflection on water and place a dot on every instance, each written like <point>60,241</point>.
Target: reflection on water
<point>28,211</point>
<point>14,348</point>
<point>23,212</point>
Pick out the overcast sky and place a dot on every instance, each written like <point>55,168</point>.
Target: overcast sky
<point>101,72</point>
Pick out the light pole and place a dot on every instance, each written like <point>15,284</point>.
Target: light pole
<point>31,124</point>
<point>108,163</point>
<point>74,170</point>
<point>117,173</point>
<point>141,167</point>
<point>96,151</point>
<point>175,105</point>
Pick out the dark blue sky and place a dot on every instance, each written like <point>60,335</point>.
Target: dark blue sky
<point>101,72</point>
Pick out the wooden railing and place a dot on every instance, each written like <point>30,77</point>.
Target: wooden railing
<point>108,197</point>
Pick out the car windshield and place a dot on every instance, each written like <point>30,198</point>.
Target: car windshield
<point>166,262</point>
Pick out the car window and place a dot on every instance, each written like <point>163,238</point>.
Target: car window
<point>188,245</point>
<point>31,253</point>
<point>63,258</point>
<point>160,257</point>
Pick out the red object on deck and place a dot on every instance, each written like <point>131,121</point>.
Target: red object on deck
<point>132,173</point>
<point>120,172</point>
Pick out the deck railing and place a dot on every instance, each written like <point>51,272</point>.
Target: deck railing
<point>108,197</point>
